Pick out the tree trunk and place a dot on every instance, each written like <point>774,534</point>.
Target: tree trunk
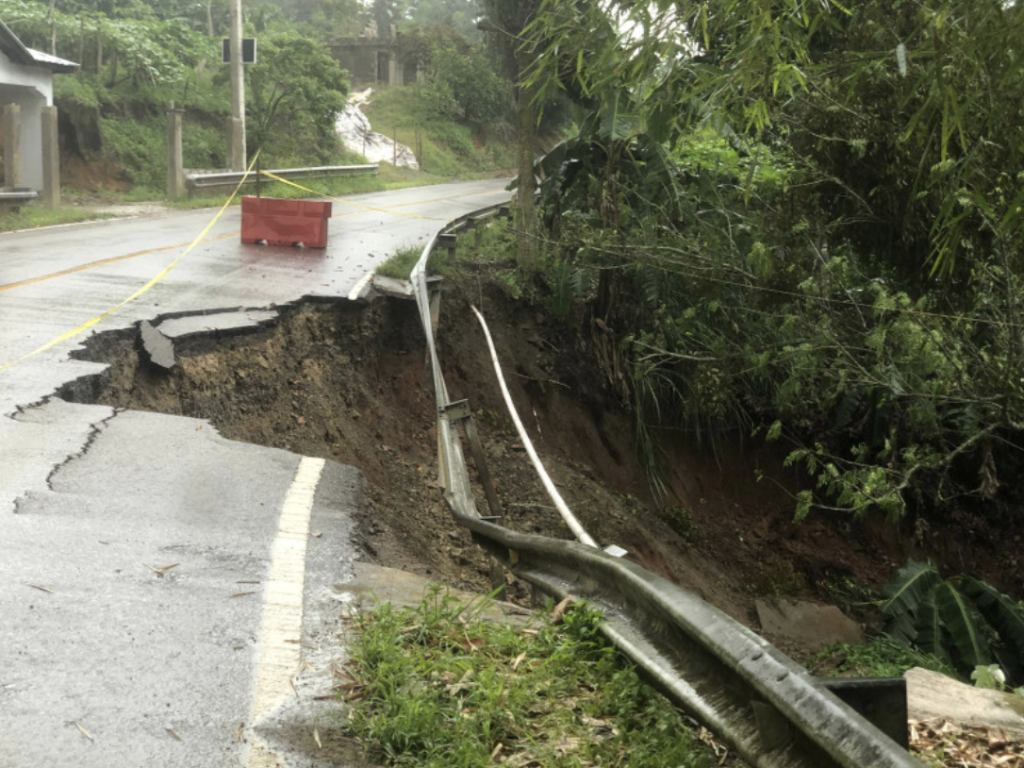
<point>209,17</point>
<point>53,30</point>
<point>526,210</point>
<point>99,48</point>
<point>81,43</point>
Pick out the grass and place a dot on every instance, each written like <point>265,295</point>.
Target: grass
<point>400,265</point>
<point>435,687</point>
<point>880,657</point>
<point>493,251</point>
<point>33,216</point>
<point>450,150</point>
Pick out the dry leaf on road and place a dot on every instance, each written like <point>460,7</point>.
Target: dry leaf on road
<point>558,614</point>
<point>162,569</point>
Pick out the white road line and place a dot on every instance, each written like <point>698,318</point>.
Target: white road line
<point>280,651</point>
<point>354,294</point>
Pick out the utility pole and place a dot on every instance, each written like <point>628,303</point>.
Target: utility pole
<point>236,140</point>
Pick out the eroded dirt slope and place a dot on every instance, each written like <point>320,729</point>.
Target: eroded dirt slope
<point>349,383</point>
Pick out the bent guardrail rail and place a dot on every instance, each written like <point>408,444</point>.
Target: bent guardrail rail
<point>764,705</point>
<point>204,180</point>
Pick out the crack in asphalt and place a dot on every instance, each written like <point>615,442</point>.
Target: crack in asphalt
<point>20,409</point>
<point>95,428</point>
<point>94,432</point>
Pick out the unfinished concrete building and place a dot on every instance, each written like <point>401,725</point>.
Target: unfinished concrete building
<point>374,60</point>
<point>29,161</point>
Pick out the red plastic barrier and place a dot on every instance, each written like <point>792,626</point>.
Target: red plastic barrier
<point>285,222</point>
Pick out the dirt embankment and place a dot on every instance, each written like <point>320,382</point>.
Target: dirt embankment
<point>350,383</point>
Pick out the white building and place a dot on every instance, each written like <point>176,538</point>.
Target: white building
<point>26,79</point>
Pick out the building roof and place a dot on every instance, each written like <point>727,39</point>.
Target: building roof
<point>17,52</point>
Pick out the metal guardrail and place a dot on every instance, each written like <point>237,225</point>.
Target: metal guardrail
<point>18,196</point>
<point>231,178</point>
<point>764,705</point>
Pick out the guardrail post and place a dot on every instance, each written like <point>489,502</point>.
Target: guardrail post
<point>882,701</point>
<point>434,294</point>
<point>459,412</point>
<point>772,728</point>
<point>450,242</point>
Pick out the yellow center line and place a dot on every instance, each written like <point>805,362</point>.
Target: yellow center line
<point>144,289</point>
<point>162,249</point>
<point>104,262</point>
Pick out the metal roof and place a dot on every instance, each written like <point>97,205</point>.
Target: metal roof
<point>17,52</point>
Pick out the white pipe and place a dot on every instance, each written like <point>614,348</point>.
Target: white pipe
<point>549,486</point>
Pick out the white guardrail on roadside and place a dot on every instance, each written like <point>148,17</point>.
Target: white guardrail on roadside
<point>204,180</point>
<point>761,703</point>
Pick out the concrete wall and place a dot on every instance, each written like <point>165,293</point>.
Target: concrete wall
<point>359,59</point>
<point>32,89</point>
<point>362,58</point>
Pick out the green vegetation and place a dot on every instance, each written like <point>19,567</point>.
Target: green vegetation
<point>962,621</point>
<point>294,94</point>
<point>32,216</point>
<point>140,59</point>
<point>450,149</point>
<point>879,657</point>
<point>436,686</point>
<point>803,225</point>
<point>490,259</point>
<point>399,266</point>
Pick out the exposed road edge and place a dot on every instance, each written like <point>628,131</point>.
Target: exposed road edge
<point>280,649</point>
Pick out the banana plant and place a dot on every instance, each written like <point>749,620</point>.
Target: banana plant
<point>961,620</point>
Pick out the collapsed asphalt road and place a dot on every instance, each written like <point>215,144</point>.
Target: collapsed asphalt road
<point>157,581</point>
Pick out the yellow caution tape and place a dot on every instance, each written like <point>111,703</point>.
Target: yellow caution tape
<point>313,192</point>
<point>151,251</point>
<point>90,323</point>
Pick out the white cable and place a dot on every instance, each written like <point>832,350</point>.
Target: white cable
<point>563,508</point>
